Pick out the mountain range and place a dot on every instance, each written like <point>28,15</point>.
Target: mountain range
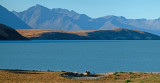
<point>40,17</point>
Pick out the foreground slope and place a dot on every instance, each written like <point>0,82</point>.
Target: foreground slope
<point>111,34</point>
<point>7,33</point>
<point>9,19</point>
<point>22,76</point>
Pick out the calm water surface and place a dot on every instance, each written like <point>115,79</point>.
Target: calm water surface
<point>79,56</point>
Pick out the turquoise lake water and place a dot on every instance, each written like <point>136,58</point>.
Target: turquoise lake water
<point>79,56</point>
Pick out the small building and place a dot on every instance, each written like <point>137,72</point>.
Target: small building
<point>87,73</point>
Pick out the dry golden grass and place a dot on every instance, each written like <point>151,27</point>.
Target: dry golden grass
<point>37,32</point>
<point>16,76</point>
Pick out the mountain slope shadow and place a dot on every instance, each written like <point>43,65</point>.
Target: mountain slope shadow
<point>122,34</point>
<point>60,36</point>
<point>8,33</point>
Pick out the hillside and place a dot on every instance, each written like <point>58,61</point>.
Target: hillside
<point>7,33</point>
<point>11,20</point>
<point>111,34</point>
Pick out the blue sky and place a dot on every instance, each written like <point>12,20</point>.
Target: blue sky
<point>134,9</point>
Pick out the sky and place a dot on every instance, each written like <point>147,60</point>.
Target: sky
<point>131,9</point>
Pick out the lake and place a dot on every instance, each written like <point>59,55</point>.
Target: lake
<point>97,56</point>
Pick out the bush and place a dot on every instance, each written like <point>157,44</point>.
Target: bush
<point>121,72</point>
<point>127,81</point>
<point>115,73</point>
<point>130,73</point>
<point>63,71</point>
<point>114,78</point>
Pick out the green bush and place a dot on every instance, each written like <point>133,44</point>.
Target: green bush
<point>130,73</point>
<point>115,73</point>
<point>63,71</point>
<point>121,72</point>
<point>127,81</point>
<point>114,78</point>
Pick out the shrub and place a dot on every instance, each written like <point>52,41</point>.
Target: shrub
<point>63,71</point>
<point>127,81</point>
<point>130,72</point>
<point>114,78</point>
<point>115,73</point>
<point>121,72</point>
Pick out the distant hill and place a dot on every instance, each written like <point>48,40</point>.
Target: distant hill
<point>9,19</point>
<point>7,33</point>
<point>111,34</point>
<point>40,17</point>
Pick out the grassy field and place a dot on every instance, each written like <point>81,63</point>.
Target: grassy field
<point>21,76</point>
<point>37,32</point>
